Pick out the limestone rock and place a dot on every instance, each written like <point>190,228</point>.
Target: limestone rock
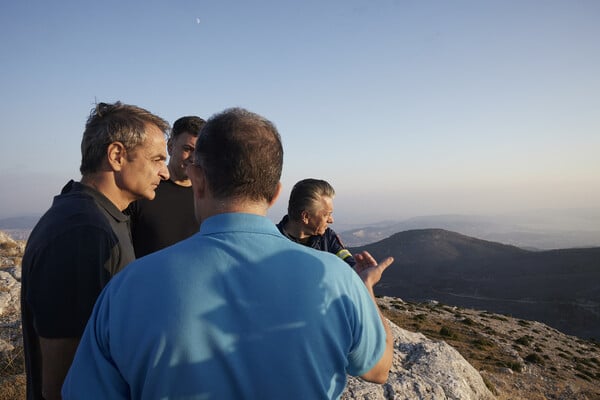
<point>9,295</point>
<point>422,369</point>
<point>5,238</point>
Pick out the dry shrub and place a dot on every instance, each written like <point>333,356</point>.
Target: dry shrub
<point>12,362</point>
<point>12,376</point>
<point>13,387</point>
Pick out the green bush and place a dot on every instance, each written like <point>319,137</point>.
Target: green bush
<point>524,340</point>
<point>420,317</point>
<point>513,365</point>
<point>447,332</point>
<point>534,358</point>
<point>481,343</point>
<point>489,385</point>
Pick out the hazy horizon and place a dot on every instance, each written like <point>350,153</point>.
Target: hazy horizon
<point>581,219</point>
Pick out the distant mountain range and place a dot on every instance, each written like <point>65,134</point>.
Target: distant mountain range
<point>19,228</point>
<point>558,287</point>
<point>540,230</point>
<point>544,230</point>
<point>22,222</point>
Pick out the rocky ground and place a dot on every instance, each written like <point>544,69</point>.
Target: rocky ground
<point>12,379</point>
<point>517,359</point>
<point>506,358</point>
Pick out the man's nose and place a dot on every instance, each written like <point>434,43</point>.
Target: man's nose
<point>164,172</point>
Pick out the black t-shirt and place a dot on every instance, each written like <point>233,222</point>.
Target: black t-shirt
<point>71,254</point>
<point>166,220</point>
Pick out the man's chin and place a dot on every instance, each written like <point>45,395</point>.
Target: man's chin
<point>182,169</point>
<point>181,176</point>
<point>150,195</point>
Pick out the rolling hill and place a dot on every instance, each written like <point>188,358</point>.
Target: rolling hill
<point>558,287</point>
<point>545,230</point>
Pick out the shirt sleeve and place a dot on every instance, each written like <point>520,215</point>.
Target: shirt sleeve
<point>369,336</point>
<point>337,247</point>
<point>93,374</point>
<point>68,276</point>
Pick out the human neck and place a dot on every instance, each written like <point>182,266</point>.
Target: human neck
<point>296,230</point>
<point>215,207</point>
<point>178,178</point>
<point>102,183</point>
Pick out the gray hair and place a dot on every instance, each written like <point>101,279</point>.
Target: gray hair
<point>109,123</point>
<point>305,195</point>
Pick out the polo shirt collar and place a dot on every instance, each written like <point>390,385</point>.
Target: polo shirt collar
<point>229,222</point>
<point>98,197</point>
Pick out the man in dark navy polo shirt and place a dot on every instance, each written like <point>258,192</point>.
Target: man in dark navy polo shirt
<point>310,211</point>
<point>84,239</point>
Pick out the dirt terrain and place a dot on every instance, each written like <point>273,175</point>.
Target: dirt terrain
<point>518,359</point>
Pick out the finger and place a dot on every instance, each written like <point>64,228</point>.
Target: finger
<point>368,258</point>
<point>385,263</point>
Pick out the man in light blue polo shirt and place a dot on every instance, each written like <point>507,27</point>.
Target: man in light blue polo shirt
<point>236,311</point>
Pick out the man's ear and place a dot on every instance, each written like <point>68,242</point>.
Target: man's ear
<point>170,145</point>
<point>196,175</point>
<point>304,216</point>
<point>276,195</point>
<point>116,155</point>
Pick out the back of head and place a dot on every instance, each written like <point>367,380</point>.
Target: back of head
<point>305,194</point>
<point>189,124</point>
<point>241,155</point>
<point>109,123</point>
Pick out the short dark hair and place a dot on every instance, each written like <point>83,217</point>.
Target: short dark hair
<point>190,124</point>
<point>241,155</point>
<point>110,123</point>
<point>305,194</point>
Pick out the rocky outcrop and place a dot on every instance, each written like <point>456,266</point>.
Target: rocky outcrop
<point>9,294</point>
<point>11,344</point>
<point>422,369</point>
<point>11,252</point>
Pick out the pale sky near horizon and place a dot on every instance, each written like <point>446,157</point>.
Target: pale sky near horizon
<point>406,107</point>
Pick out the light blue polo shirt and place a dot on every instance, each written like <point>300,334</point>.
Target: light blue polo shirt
<point>237,311</point>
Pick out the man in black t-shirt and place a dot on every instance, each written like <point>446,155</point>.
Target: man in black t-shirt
<point>83,239</point>
<point>169,218</point>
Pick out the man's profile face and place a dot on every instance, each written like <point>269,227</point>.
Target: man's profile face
<point>317,220</point>
<point>145,166</point>
<point>181,150</point>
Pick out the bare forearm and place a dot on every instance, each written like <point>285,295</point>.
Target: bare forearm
<point>370,272</point>
<point>380,372</point>
<point>57,357</point>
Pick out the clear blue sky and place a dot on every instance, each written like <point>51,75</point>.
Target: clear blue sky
<point>407,107</point>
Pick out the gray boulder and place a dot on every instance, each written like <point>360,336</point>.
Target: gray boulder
<point>422,369</point>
